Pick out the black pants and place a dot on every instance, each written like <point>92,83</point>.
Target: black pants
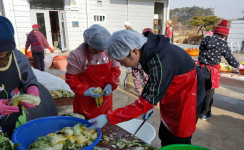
<point>38,58</point>
<point>208,100</point>
<point>168,138</point>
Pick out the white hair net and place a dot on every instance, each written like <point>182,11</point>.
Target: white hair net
<point>96,37</point>
<point>127,23</point>
<point>121,42</point>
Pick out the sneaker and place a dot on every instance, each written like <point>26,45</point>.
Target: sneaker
<point>205,117</point>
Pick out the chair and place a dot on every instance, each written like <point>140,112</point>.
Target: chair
<point>128,72</point>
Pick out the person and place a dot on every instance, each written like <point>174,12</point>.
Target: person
<point>137,72</point>
<point>17,77</point>
<point>169,30</point>
<point>209,33</point>
<point>174,82</point>
<point>128,25</point>
<point>37,41</point>
<point>59,41</point>
<point>147,29</point>
<point>90,67</point>
<point>211,50</point>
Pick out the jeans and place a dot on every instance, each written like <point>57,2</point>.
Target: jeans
<point>38,58</point>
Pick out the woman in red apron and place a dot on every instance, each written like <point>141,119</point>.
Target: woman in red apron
<point>211,50</point>
<point>90,67</point>
<point>173,84</point>
<point>169,30</point>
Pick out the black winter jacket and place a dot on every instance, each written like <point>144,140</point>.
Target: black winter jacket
<point>211,50</point>
<point>163,61</point>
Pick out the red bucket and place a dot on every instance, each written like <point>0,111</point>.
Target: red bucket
<point>31,60</point>
<point>242,71</point>
<point>60,62</point>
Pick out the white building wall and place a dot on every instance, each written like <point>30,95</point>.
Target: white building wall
<point>115,12</point>
<point>138,12</point>
<point>75,34</point>
<point>18,11</point>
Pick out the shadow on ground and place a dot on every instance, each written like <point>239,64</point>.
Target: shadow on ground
<point>221,132</point>
<point>229,103</point>
<point>224,131</point>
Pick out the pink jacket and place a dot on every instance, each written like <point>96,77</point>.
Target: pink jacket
<point>77,60</point>
<point>37,41</point>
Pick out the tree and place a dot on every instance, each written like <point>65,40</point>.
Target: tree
<point>185,14</point>
<point>204,23</point>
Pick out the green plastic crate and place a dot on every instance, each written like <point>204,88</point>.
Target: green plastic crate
<point>183,147</point>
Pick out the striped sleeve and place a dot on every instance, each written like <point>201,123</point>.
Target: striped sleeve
<point>160,78</point>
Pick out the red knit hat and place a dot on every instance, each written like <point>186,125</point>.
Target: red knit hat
<point>147,29</point>
<point>35,26</point>
<point>222,28</point>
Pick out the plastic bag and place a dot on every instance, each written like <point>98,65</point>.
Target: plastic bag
<point>51,82</point>
<point>48,59</point>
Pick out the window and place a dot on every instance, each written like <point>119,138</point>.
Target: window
<point>99,3</point>
<point>1,8</point>
<point>99,18</point>
<point>47,4</point>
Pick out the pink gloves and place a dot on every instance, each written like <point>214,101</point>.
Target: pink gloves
<point>5,109</point>
<point>32,90</point>
<point>241,67</point>
<point>51,50</point>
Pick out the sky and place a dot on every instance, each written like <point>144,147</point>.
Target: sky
<point>227,9</point>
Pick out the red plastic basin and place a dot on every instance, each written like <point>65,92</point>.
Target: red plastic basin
<point>60,62</point>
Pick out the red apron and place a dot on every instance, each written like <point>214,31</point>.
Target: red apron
<point>179,105</point>
<point>95,76</point>
<point>215,74</point>
<point>167,32</point>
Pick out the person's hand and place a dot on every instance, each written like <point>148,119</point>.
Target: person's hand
<point>26,49</point>
<point>5,109</point>
<point>107,90</point>
<point>27,105</point>
<point>241,67</point>
<point>50,49</point>
<point>33,90</point>
<point>89,92</point>
<point>147,115</point>
<point>99,122</point>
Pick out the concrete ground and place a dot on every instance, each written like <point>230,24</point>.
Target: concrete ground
<point>224,131</point>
